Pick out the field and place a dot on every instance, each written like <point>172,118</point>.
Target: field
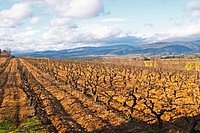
<point>49,95</point>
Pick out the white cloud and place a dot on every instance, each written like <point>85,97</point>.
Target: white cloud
<point>15,15</point>
<point>34,20</point>
<point>24,34</point>
<point>6,41</point>
<point>32,1</point>
<point>77,9</point>
<point>84,8</point>
<point>193,5</point>
<point>82,35</point>
<point>63,22</point>
<point>55,33</point>
<point>148,25</point>
<point>54,2</point>
<point>61,29</point>
<point>185,32</point>
<point>14,39</point>
<point>196,13</point>
<point>96,32</point>
<point>191,32</point>
<point>114,20</point>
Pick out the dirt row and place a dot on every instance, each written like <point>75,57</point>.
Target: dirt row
<point>13,101</point>
<point>4,77</point>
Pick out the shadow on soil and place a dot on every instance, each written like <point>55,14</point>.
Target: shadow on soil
<point>180,125</point>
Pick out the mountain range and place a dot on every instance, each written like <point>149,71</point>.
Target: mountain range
<point>159,48</point>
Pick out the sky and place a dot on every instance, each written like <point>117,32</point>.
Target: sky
<point>37,25</point>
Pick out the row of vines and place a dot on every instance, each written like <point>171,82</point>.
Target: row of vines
<point>166,99</point>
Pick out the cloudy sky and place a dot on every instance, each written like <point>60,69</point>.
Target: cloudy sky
<point>32,25</point>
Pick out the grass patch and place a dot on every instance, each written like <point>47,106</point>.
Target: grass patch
<point>30,125</point>
<point>6,126</point>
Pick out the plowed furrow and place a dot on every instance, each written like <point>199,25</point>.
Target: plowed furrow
<point>4,65</point>
<point>14,98</point>
<point>9,109</point>
<point>34,99</point>
<point>4,78</point>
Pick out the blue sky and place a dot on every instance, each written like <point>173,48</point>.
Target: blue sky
<point>34,25</point>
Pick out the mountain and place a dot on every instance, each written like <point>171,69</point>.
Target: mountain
<point>159,48</point>
<point>84,51</point>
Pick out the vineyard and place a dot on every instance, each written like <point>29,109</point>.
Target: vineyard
<point>49,95</point>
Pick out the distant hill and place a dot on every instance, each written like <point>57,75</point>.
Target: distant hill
<point>160,48</point>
